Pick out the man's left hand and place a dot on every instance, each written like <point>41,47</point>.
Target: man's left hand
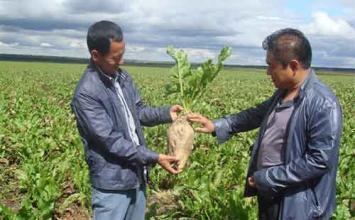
<point>174,111</point>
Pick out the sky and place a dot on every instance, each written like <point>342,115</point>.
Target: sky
<point>200,27</point>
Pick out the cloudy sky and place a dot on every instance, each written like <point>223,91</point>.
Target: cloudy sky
<point>201,27</point>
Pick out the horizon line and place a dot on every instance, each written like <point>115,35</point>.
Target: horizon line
<point>69,59</point>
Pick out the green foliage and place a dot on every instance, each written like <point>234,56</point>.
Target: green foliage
<point>190,83</point>
<point>40,143</point>
<point>43,174</point>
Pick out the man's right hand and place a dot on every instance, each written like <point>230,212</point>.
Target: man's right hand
<point>207,125</point>
<point>251,182</point>
<point>167,162</point>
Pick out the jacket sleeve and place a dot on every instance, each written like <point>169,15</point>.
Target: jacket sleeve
<point>244,121</point>
<point>94,122</point>
<point>321,153</point>
<point>150,116</point>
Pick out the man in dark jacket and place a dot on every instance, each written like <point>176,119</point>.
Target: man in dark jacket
<point>109,114</point>
<point>295,157</point>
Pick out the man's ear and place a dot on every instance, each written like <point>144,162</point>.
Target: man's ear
<point>295,66</point>
<point>95,55</point>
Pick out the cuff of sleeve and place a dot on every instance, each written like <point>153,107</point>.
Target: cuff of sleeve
<point>262,183</point>
<point>153,157</point>
<point>147,156</point>
<point>165,116</point>
<point>222,130</point>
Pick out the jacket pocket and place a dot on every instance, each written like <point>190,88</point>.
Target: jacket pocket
<point>95,164</point>
<point>315,210</point>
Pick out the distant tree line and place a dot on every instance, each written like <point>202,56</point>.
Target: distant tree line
<point>59,59</point>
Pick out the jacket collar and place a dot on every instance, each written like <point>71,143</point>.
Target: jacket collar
<point>307,83</point>
<point>120,75</point>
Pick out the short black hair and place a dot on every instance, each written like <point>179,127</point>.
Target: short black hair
<point>288,44</point>
<point>100,35</point>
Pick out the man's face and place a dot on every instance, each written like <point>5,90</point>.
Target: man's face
<point>282,77</point>
<point>110,62</point>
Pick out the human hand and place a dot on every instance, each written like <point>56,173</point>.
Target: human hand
<point>251,182</point>
<point>167,162</point>
<point>207,125</point>
<point>174,111</point>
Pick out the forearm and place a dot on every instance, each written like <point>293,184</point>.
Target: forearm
<point>278,179</point>
<point>125,149</point>
<point>151,116</point>
<point>243,121</point>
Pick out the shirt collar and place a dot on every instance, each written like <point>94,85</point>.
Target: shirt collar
<point>120,75</point>
<point>283,105</point>
<point>111,78</point>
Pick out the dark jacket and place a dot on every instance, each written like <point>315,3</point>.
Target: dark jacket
<point>306,180</point>
<point>114,161</point>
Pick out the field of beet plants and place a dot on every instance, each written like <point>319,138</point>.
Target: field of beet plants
<point>43,174</point>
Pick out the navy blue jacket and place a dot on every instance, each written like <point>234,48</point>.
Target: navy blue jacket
<point>306,180</point>
<point>114,161</point>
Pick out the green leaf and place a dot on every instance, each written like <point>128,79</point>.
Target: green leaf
<point>188,83</point>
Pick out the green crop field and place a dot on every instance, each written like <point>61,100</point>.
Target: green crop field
<point>43,174</point>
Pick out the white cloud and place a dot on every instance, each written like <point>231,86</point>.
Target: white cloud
<point>324,25</point>
<point>77,44</point>
<point>33,8</point>
<point>201,27</point>
<point>46,45</point>
<point>201,54</point>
